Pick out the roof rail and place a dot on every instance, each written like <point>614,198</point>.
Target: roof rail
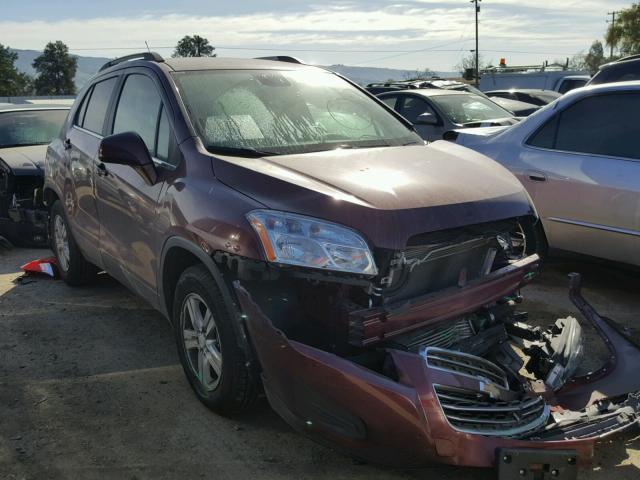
<point>282,58</point>
<point>151,56</point>
<point>629,57</point>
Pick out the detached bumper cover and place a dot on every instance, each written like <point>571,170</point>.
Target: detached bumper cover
<point>370,416</point>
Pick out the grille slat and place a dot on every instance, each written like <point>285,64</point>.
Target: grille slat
<point>478,413</point>
<point>465,364</point>
<point>447,402</point>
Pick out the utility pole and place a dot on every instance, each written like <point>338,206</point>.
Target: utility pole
<point>475,2</point>
<point>613,26</point>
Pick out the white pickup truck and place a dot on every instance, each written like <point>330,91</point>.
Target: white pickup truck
<point>558,80</point>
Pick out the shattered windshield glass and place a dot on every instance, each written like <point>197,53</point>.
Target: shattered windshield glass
<point>280,112</point>
<point>463,109</point>
<point>30,127</point>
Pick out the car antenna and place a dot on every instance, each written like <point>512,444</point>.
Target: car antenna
<point>148,49</point>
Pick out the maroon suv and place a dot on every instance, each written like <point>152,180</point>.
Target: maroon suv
<point>304,241</point>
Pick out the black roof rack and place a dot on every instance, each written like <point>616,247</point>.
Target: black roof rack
<point>282,58</point>
<point>630,57</point>
<point>151,56</point>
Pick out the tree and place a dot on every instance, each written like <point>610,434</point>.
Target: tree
<point>12,82</point>
<point>625,33</point>
<point>419,74</point>
<point>468,64</point>
<point>195,46</point>
<point>595,57</point>
<point>56,69</point>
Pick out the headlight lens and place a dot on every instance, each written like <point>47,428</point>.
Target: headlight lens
<point>299,240</point>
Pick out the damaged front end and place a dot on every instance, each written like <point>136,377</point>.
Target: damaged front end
<point>23,216</point>
<point>431,361</point>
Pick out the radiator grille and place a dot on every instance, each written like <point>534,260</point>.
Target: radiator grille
<point>465,364</point>
<point>478,413</point>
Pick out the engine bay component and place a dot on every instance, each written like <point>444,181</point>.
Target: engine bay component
<point>465,386</point>
<point>23,217</point>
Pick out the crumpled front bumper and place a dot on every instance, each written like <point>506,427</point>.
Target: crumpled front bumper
<point>375,418</point>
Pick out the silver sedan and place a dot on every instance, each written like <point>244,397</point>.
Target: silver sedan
<point>579,159</point>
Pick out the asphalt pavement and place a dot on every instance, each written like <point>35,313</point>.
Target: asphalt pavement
<point>91,387</point>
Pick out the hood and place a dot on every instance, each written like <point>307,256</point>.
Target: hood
<point>24,160</point>
<point>518,108</point>
<point>473,136</point>
<point>388,194</point>
<point>495,122</point>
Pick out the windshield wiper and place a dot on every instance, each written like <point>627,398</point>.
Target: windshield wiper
<point>240,151</point>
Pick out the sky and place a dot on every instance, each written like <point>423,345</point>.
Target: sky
<point>411,34</point>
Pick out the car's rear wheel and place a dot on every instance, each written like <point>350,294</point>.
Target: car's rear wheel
<point>215,365</point>
<point>73,267</point>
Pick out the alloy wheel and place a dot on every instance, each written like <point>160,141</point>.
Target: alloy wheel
<point>61,241</point>
<point>201,341</point>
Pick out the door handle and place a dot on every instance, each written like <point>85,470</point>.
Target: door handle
<point>67,144</point>
<point>101,170</point>
<point>536,176</point>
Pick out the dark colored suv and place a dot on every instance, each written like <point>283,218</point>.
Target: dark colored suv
<point>302,239</point>
<point>623,70</point>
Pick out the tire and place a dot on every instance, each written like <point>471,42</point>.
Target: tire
<point>213,362</point>
<point>542,245</point>
<point>74,269</point>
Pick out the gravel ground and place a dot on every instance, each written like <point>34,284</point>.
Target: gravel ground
<point>91,387</point>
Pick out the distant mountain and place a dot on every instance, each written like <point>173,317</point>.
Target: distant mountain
<point>366,75</point>
<point>88,66</point>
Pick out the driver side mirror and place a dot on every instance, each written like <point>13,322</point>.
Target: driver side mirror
<point>129,149</point>
<point>426,118</point>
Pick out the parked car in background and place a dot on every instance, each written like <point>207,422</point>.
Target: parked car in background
<point>25,132</point>
<point>580,161</point>
<point>622,70</point>
<point>433,112</point>
<point>534,76</point>
<point>302,239</point>
<point>528,95</point>
<point>515,107</point>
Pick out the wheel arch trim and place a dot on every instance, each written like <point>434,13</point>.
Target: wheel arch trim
<point>204,258</point>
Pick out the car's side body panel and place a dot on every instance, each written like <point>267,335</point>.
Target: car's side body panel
<point>588,203</point>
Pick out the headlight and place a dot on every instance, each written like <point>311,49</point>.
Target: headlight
<point>307,242</point>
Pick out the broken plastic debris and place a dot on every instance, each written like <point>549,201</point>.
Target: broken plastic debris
<point>48,266</point>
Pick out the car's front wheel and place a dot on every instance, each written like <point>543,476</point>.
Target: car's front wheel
<point>215,365</point>
<point>73,267</point>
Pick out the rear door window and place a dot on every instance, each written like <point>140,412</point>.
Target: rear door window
<point>600,125</point>
<point>97,105</point>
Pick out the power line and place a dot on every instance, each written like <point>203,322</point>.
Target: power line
<point>434,48</point>
<point>407,52</point>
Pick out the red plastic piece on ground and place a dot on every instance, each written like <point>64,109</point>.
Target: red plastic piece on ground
<point>44,265</point>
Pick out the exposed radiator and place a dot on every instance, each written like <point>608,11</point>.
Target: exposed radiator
<point>442,336</point>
